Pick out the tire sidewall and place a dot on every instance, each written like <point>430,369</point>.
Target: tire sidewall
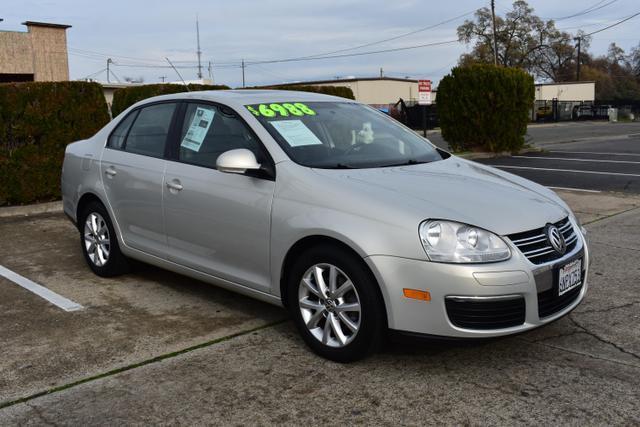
<point>373,318</point>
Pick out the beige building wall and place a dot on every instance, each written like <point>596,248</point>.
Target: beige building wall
<point>41,51</point>
<point>379,91</point>
<point>570,91</point>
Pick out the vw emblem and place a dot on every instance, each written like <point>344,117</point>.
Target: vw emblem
<point>556,239</point>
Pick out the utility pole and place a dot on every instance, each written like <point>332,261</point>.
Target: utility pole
<point>199,51</point>
<point>578,39</point>
<point>210,69</point>
<point>243,73</point>
<point>495,41</point>
<point>109,61</point>
<point>381,73</point>
<point>162,78</point>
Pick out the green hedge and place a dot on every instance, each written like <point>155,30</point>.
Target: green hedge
<point>125,97</point>
<point>341,91</point>
<point>483,107</point>
<point>37,121</point>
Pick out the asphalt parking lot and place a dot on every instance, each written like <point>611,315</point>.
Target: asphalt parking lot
<point>154,347</point>
<point>600,165</point>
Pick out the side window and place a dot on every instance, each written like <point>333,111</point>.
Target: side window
<point>116,140</point>
<point>208,131</point>
<point>148,134</point>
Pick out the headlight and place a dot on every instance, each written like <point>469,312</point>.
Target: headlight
<point>448,241</point>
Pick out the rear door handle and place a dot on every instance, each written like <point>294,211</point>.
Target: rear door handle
<point>110,171</point>
<point>174,185</point>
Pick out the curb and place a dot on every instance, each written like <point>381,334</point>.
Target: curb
<point>27,210</point>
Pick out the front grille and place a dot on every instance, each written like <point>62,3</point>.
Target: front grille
<point>485,314</point>
<point>534,244</point>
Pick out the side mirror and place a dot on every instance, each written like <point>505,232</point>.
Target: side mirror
<point>239,160</point>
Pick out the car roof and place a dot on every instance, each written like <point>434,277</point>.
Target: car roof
<point>250,96</point>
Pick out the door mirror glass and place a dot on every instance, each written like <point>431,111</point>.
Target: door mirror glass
<point>239,160</point>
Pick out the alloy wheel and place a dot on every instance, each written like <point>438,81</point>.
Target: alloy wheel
<point>330,305</point>
<point>96,239</point>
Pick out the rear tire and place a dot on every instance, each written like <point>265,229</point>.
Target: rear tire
<point>335,304</point>
<point>99,242</point>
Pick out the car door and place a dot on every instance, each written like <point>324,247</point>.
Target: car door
<point>132,168</point>
<point>218,223</point>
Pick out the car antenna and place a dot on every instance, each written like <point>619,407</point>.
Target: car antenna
<point>176,70</point>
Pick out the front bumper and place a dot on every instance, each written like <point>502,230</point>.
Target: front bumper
<point>516,278</point>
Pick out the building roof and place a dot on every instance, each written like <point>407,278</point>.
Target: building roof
<point>565,83</point>
<point>346,80</point>
<point>45,24</point>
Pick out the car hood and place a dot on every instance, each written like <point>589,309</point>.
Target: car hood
<point>454,189</point>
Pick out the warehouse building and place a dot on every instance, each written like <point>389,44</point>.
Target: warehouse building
<point>38,54</point>
<point>371,90</point>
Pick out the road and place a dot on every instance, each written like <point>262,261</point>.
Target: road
<point>610,163</point>
<point>154,347</point>
<point>544,135</point>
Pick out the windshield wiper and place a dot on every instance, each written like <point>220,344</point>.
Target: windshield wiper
<point>343,166</point>
<point>408,162</point>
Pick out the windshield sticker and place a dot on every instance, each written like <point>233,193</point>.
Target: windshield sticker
<point>285,109</point>
<point>296,133</point>
<point>198,129</point>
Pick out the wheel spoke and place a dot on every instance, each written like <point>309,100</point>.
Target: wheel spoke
<point>354,306</point>
<point>307,284</point>
<point>343,289</point>
<point>322,286</point>
<point>306,303</point>
<point>314,319</point>
<point>337,329</point>
<point>326,333</point>
<point>94,224</point>
<point>91,248</point>
<point>333,279</point>
<point>347,321</point>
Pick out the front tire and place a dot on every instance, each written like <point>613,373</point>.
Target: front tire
<point>99,242</point>
<point>334,301</point>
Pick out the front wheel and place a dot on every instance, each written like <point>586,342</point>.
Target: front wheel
<point>99,242</point>
<point>335,304</point>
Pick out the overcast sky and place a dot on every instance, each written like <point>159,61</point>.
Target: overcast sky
<point>144,32</point>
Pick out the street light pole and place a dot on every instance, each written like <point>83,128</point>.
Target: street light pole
<point>578,39</point>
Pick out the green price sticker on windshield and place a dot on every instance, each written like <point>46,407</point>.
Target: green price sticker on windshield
<point>285,109</point>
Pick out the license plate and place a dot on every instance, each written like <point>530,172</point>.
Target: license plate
<point>570,276</point>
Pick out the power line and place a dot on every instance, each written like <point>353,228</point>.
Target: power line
<point>613,25</point>
<point>391,38</point>
<point>590,9</point>
<point>372,52</point>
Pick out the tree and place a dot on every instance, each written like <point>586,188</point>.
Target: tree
<point>485,107</point>
<point>524,41</point>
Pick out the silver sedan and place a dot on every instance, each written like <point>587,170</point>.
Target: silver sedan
<point>330,208</point>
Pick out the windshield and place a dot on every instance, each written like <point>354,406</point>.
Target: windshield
<point>342,135</point>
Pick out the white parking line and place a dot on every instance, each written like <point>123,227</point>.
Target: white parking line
<point>41,291</point>
<point>577,160</point>
<point>566,170</point>
<point>595,152</point>
<point>575,189</point>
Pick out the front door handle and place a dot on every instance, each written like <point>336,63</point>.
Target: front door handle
<point>174,185</point>
<point>111,171</point>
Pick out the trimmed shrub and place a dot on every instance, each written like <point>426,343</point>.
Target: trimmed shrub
<point>37,121</point>
<point>483,107</point>
<point>341,91</point>
<point>125,97</point>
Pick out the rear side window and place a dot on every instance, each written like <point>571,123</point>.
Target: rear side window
<point>116,140</point>
<point>148,134</point>
<point>209,131</point>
